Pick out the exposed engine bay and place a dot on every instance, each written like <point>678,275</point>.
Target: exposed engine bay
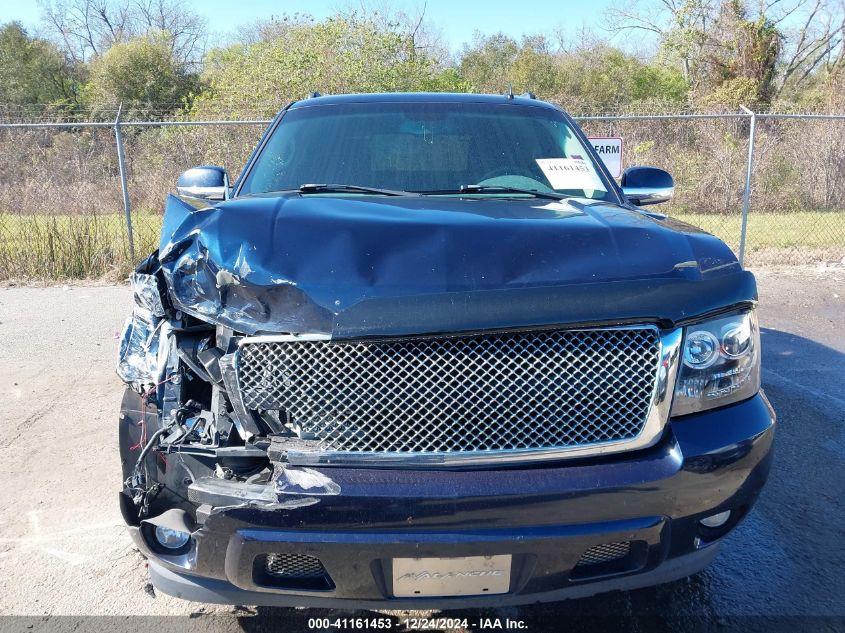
<point>180,426</point>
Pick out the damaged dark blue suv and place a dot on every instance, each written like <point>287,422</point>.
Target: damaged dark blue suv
<point>426,353</point>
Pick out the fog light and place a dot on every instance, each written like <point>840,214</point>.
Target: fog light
<point>716,520</point>
<point>170,538</point>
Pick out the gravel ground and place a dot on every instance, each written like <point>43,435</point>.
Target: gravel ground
<point>63,550</point>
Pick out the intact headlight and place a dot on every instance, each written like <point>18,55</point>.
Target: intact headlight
<point>720,363</point>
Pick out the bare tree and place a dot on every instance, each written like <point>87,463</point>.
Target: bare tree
<point>569,41</point>
<point>86,28</point>
<point>187,29</point>
<point>814,43</point>
<point>679,25</point>
<point>810,34</point>
<point>270,28</point>
<point>410,21</point>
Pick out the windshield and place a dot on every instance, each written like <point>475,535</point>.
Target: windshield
<point>430,148</point>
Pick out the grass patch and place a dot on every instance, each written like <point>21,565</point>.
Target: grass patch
<point>72,246</point>
<point>95,246</point>
<point>799,230</point>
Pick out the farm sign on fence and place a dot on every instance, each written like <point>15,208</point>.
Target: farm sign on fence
<point>610,151</point>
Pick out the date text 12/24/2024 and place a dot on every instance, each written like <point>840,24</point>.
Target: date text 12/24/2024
<point>417,624</point>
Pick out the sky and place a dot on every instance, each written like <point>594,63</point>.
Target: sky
<point>456,19</point>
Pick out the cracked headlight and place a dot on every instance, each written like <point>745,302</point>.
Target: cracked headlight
<point>720,363</point>
<point>137,362</point>
<point>145,291</point>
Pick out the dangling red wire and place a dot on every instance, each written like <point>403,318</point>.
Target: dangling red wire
<point>143,421</point>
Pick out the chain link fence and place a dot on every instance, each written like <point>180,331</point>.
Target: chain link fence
<point>63,213</point>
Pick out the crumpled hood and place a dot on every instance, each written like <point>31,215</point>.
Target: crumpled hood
<point>382,266</point>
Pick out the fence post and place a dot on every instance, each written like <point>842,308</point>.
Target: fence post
<point>746,198</point>
<point>121,164</point>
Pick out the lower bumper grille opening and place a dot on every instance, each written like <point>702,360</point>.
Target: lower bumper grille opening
<point>604,553</point>
<point>292,571</point>
<point>610,558</point>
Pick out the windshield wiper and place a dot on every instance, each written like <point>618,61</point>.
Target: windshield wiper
<point>327,188</point>
<point>472,189</point>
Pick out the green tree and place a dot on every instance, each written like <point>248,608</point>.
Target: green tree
<point>594,78</point>
<point>337,55</point>
<point>604,79</point>
<point>487,64</point>
<point>32,70</point>
<point>492,63</point>
<point>141,73</point>
<point>741,59</point>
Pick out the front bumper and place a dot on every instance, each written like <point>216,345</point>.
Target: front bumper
<point>545,517</point>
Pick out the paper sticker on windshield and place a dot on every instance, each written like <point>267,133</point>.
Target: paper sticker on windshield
<point>570,173</point>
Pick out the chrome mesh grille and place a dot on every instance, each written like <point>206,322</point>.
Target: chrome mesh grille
<point>503,391</point>
<point>604,553</point>
<point>293,566</point>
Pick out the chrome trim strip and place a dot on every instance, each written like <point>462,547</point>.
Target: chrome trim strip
<point>670,345</point>
<point>643,196</point>
<point>284,338</point>
<point>241,417</point>
<point>203,193</point>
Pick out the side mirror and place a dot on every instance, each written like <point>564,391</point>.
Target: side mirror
<point>647,185</point>
<point>207,182</point>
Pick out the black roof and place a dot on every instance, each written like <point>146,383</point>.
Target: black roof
<point>419,97</point>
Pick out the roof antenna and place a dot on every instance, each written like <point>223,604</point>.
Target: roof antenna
<point>509,94</point>
<point>314,95</point>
